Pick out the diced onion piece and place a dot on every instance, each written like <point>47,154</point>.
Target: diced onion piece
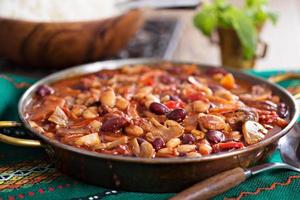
<point>58,117</point>
<point>89,140</point>
<point>253,132</point>
<point>36,126</point>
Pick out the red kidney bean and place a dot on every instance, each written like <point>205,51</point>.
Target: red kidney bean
<point>44,90</point>
<point>188,139</point>
<point>215,87</point>
<point>175,70</point>
<point>215,136</point>
<point>166,79</point>
<point>105,76</point>
<point>174,98</point>
<point>158,143</point>
<point>177,115</point>
<point>80,87</point>
<point>282,110</point>
<point>214,71</point>
<point>114,124</point>
<point>182,155</point>
<point>140,140</point>
<point>158,108</point>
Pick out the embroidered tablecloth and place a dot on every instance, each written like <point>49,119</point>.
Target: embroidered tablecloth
<point>28,174</point>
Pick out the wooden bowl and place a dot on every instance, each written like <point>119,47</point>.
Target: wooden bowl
<point>63,44</point>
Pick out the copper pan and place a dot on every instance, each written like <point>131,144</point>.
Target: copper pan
<point>140,174</point>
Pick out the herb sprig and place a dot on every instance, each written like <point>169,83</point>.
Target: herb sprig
<point>244,21</point>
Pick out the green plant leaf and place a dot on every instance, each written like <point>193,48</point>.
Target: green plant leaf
<point>206,21</point>
<point>245,30</point>
<point>273,17</point>
<point>221,14</point>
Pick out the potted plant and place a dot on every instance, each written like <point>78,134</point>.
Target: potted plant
<point>238,29</point>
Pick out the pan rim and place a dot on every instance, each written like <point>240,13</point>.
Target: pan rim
<point>93,67</point>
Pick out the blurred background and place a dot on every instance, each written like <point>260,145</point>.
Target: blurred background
<point>283,40</point>
<point>42,42</point>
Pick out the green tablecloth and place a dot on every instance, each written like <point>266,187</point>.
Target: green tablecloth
<point>27,174</point>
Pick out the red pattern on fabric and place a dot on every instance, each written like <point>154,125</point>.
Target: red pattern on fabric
<point>258,190</point>
<point>11,198</point>
<point>42,191</point>
<point>20,85</point>
<point>31,193</point>
<point>21,196</point>
<point>30,179</point>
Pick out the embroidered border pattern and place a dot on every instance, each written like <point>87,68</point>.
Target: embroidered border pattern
<point>26,173</point>
<point>258,190</point>
<point>17,85</point>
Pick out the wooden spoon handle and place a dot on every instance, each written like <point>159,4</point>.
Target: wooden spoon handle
<point>213,186</point>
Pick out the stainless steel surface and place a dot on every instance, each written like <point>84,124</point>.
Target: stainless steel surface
<point>267,166</point>
<point>158,4</point>
<point>290,147</point>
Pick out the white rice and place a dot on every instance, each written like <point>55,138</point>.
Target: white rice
<point>57,10</point>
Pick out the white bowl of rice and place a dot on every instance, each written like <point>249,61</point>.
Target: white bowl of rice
<point>62,33</point>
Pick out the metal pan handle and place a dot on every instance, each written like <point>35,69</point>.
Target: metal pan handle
<point>16,141</point>
<point>284,77</point>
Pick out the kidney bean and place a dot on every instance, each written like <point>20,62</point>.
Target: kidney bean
<point>214,71</point>
<point>44,90</point>
<point>80,87</point>
<point>215,136</point>
<point>158,108</point>
<point>175,98</point>
<point>104,76</point>
<point>114,124</point>
<point>182,155</point>
<point>215,87</point>
<point>158,143</point>
<point>166,79</point>
<point>188,139</point>
<point>140,140</point>
<point>175,70</point>
<point>282,110</point>
<point>177,115</point>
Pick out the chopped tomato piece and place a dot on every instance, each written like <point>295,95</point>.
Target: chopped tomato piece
<point>228,81</point>
<point>197,96</point>
<point>147,80</point>
<point>227,146</point>
<point>174,104</point>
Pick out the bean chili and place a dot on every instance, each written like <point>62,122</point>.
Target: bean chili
<point>156,111</point>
